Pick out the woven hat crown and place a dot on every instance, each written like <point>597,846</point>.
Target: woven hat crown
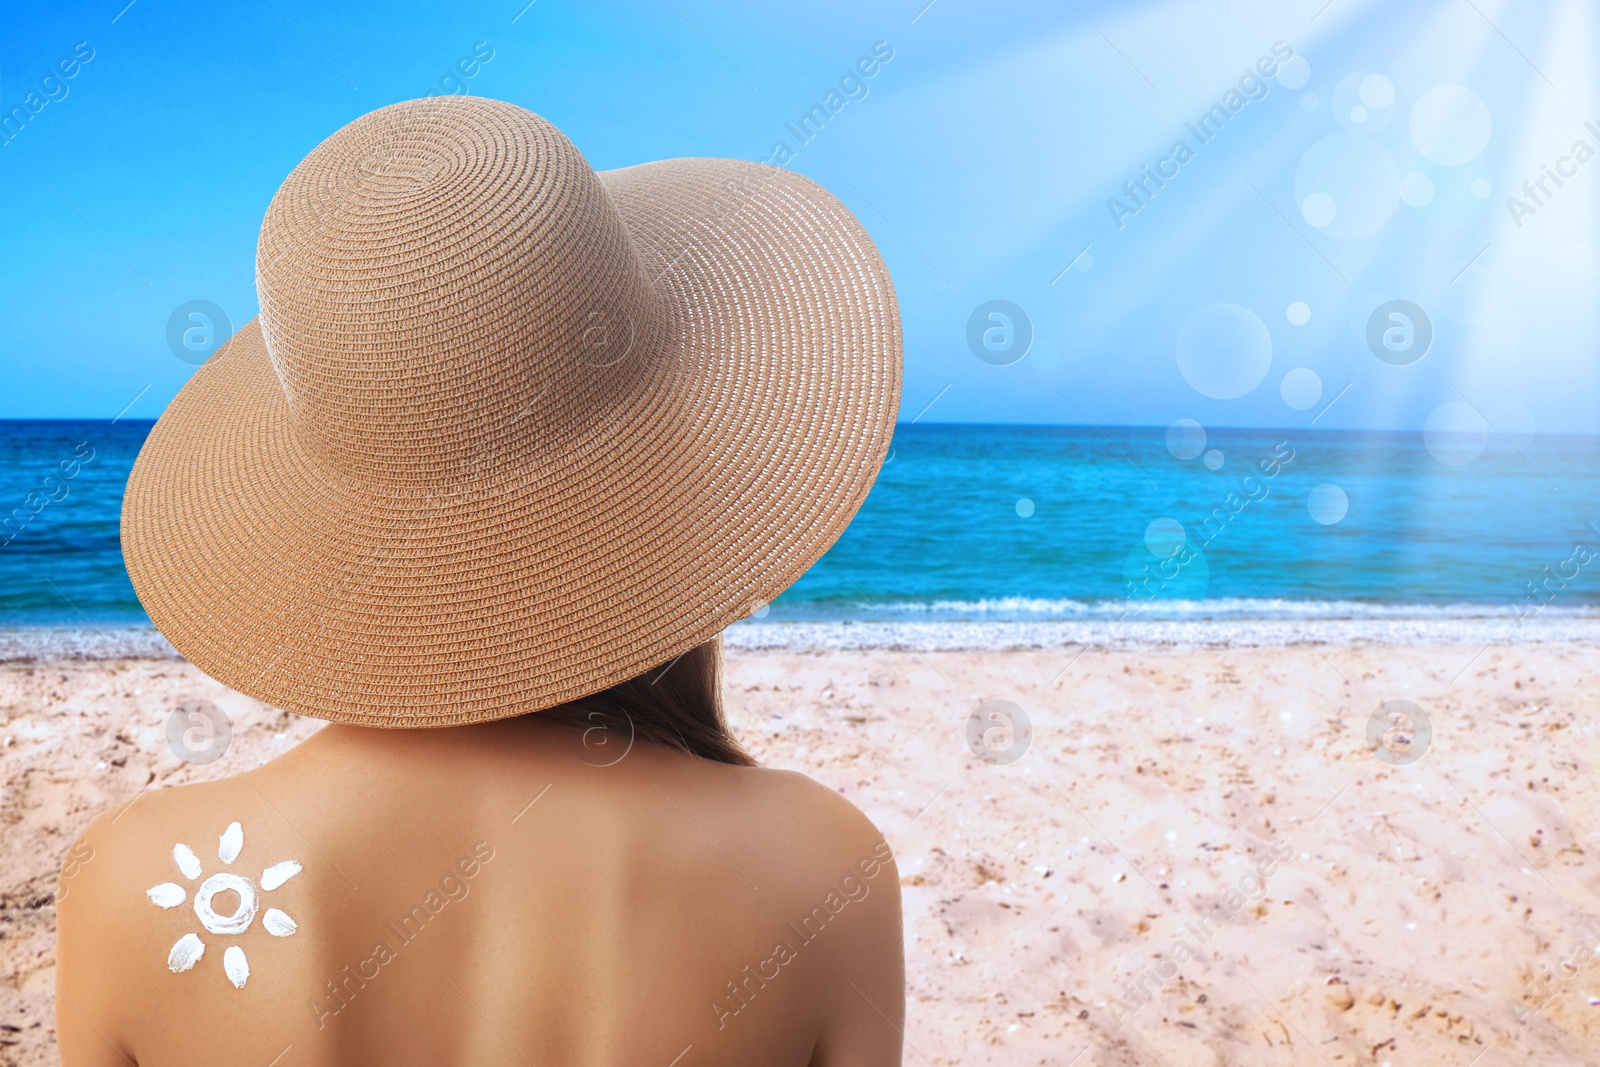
<point>509,431</point>
<point>447,290</point>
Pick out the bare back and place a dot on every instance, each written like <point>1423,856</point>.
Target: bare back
<point>484,895</point>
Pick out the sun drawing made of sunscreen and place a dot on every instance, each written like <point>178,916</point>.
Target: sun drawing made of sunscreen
<point>189,948</point>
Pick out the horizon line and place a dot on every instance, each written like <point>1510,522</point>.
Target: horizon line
<point>901,424</point>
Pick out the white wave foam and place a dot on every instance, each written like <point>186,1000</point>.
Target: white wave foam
<point>55,643</point>
<point>1024,609</point>
<point>997,635</point>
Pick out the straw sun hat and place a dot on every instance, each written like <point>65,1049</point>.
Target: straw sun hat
<point>508,431</point>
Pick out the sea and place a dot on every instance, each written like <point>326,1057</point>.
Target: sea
<point>993,536</point>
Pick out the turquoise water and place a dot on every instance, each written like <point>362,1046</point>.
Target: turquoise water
<point>1117,522</point>
<point>943,535</point>
<point>63,567</point>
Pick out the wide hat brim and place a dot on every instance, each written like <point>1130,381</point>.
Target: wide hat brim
<point>732,468</point>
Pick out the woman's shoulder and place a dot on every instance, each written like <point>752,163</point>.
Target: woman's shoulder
<point>448,844</point>
<point>829,890</point>
<point>160,817</point>
<point>835,824</point>
<point>151,857</point>
<point>258,814</point>
<point>142,834</point>
<point>784,812</point>
<point>143,893</point>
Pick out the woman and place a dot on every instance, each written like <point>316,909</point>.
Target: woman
<point>509,446</point>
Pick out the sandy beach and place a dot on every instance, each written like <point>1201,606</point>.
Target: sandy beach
<point>1100,900</point>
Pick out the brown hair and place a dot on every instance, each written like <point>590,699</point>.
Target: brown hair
<point>678,704</point>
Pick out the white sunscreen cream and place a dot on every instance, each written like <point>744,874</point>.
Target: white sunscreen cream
<point>189,948</point>
<point>187,861</point>
<point>235,966</point>
<point>243,915</point>
<point>279,873</point>
<point>166,895</point>
<point>185,954</point>
<point>278,923</point>
<point>231,842</point>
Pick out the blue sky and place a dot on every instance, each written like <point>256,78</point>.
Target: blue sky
<point>1376,166</point>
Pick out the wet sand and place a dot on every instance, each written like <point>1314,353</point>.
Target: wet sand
<point>1197,860</point>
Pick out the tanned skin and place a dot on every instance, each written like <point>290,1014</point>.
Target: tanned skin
<point>531,908</point>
